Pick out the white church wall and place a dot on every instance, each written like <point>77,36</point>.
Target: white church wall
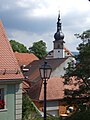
<point>60,70</point>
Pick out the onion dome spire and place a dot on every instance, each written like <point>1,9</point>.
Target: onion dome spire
<point>59,35</point>
<point>58,23</point>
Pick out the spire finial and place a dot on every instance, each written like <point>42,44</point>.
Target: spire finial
<point>59,23</point>
<point>59,35</point>
<point>59,15</point>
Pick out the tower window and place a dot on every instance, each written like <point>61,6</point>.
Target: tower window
<point>58,46</point>
<point>58,51</point>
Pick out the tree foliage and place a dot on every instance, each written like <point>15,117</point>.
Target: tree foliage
<point>82,67</point>
<point>84,115</point>
<point>39,49</point>
<point>16,46</point>
<point>81,70</point>
<point>85,36</point>
<point>28,110</point>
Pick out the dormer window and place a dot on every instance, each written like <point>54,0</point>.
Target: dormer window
<point>24,69</point>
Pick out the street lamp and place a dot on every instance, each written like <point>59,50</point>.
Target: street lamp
<point>45,72</point>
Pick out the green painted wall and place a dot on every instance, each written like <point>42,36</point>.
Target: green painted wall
<point>9,114</point>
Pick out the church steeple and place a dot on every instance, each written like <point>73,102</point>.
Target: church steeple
<point>58,43</point>
<point>58,23</point>
<point>59,35</point>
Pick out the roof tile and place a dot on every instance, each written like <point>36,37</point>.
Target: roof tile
<point>25,58</point>
<point>8,63</point>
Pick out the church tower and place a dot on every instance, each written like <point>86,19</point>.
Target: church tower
<point>58,43</point>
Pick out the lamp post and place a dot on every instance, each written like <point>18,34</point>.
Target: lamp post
<point>45,72</point>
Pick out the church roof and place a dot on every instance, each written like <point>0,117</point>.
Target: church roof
<point>9,68</point>
<point>34,75</point>
<point>25,58</point>
<point>33,67</point>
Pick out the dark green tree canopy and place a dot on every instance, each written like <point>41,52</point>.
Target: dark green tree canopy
<point>85,36</point>
<point>16,46</point>
<point>39,49</point>
<point>81,69</point>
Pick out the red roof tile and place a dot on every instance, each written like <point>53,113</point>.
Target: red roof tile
<point>35,90</point>
<point>25,58</point>
<point>25,85</point>
<point>55,89</point>
<point>9,68</point>
<point>68,51</point>
<point>33,73</point>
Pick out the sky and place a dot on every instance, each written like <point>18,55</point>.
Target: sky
<point>29,21</point>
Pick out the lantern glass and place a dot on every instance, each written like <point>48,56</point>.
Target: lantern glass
<point>45,71</point>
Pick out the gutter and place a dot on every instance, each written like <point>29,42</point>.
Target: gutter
<point>37,110</point>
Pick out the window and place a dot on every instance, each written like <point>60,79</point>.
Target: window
<point>58,46</point>
<point>2,102</point>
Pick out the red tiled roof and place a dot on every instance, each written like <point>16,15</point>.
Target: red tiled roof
<point>35,90</point>
<point>68,51</point>
<point>25,58</point>
<point>9,68</point>
<point>25,87</point>
<point>55,89</point>
<point>55,85</point>
<point>33,73</point>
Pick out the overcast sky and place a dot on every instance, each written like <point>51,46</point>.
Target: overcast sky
<point>29,21</point>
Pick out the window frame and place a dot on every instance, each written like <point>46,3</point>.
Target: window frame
<point>5,89</point>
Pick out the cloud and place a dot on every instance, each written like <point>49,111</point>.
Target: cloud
<point>31,20</point>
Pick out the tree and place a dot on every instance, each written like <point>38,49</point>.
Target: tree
<point>84,115</point>
<point>28,110</point>
<point>16,46</point>
<point>39,49</point>
<point>83,67</point>
<point>81,70</point>
<point>85,36</point>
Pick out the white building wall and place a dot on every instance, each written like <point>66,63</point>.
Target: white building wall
<point>58,53</point>
<point>18,97</point>
<point>53,108</point>
<point>60,70</point>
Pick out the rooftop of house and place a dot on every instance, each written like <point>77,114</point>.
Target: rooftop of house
<point>55,85</point>
<point>9,68</point>
<point>33,68</point>
<point>68,51</point>
<point>25,58</point>
<point>55,89</point>
<point>25,86</point>
<point>35,90</point>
